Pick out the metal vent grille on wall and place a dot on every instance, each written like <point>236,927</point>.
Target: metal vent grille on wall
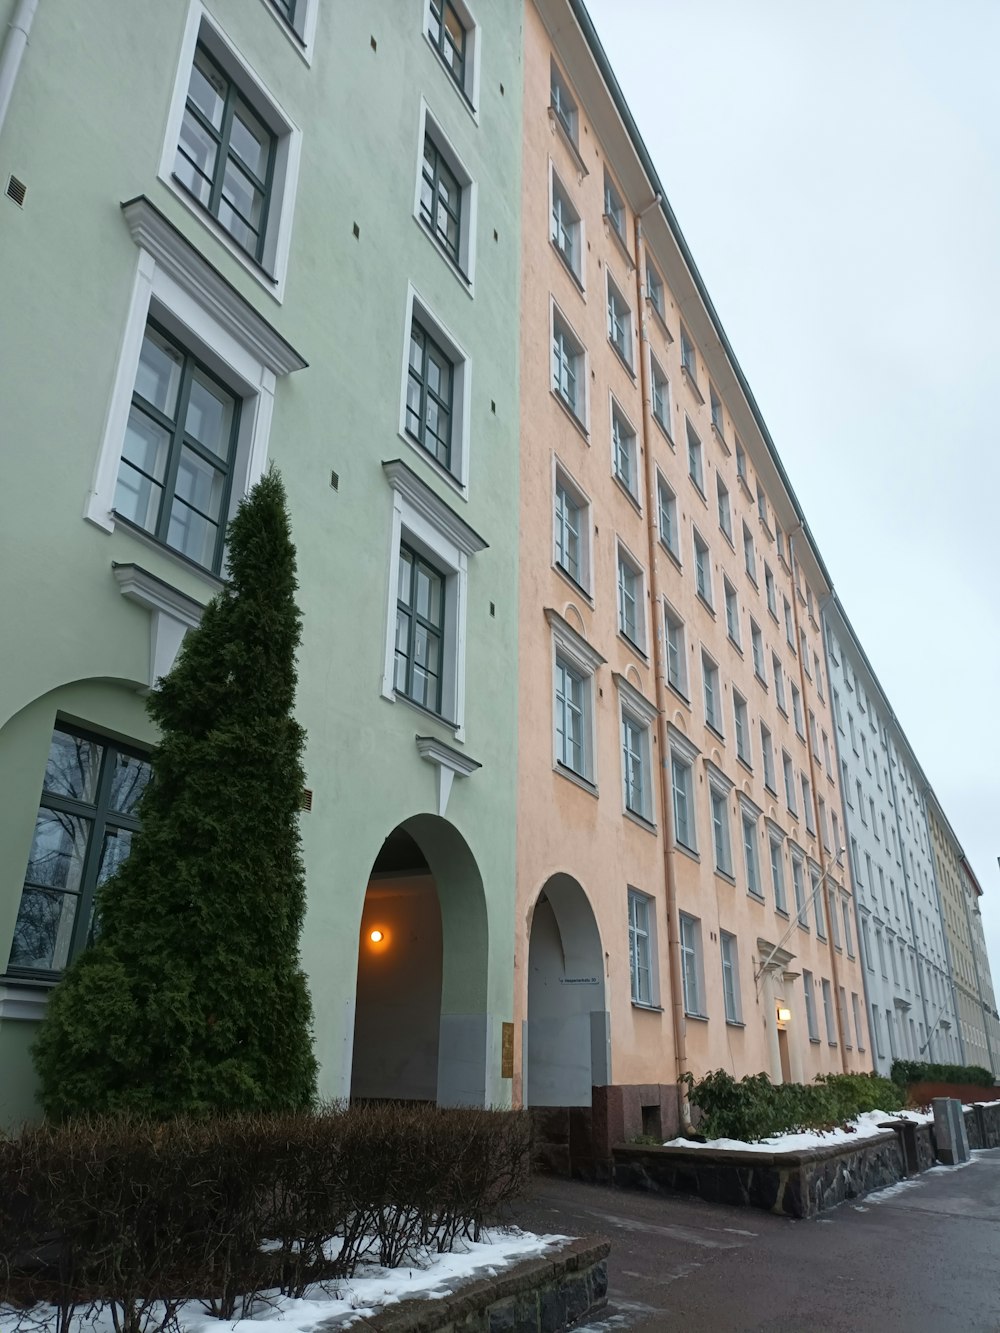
<point>16,190</point>
<point>307,799</point>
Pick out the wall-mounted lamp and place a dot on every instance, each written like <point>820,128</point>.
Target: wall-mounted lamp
<point>784,1015</point>
<point>376,936</point>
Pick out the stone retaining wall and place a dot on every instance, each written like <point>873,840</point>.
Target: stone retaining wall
<point>982,1124</point>
<point>540,1295</point>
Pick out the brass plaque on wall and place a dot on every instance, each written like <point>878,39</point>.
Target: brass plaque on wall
<point>507,1051</point>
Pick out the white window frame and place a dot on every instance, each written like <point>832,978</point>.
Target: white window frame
<point>615,297</point>
<point>683,754</point>
<point>757,652</point>
<point>624,559</point>
<point>701,547</point>
<point>641,714</point>
<point>690,947</point>
<point>558,80</point>
<point>788,774</point>
<point>828,1015</point>
<point>749,555</point>
<point>659,308</point>
<point>779,684</point>
<point>643,929</point>
<point>749,822</point>
<point>203,27</point>
<point>429,126</point>
<point>689,357</point>
<point>556,186</point>
<point>741,729</point>
<point>672,623</point>
<point>712,690</point>
<point>799,889</point>
<point>776,838</point>
<point>663,488</point>
<point>302,33</point>
<point>731,600</point>
<point>618,419</point>
<point>696,457</point>
<point>426,523</point>
<point>725,508</point>
<point>812,1025</point>
<point>470,90</point>
<point>611,188</point>
<point>767,757</point>
<point>461,399</point>
<point>716,412</point>
<point>174,284</point>
<point>719,786</point>
<point>731,1000</point>
<point>581,410</point>
<point>577,653</point>
<point>562,477</point>
<point>658,377</point>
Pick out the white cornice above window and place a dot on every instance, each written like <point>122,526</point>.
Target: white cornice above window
<point>720,781</point>
<point>153,233</point>
<point>572,643</point>
<point>774,831</point>
<point>635,701</point>
<point>24,1000</point>
<point>172,614</point>
<point>450,763</point>
<point>684,746</point>
<point>750,808</point>
<point>430,506</point>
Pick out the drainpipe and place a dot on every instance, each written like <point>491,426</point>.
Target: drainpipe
<point>13,49</point>
<point>660,678</point>
<point>814,784</point>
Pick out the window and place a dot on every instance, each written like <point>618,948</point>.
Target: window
<point>430,394</point>
<point>713,693</point>
<point>635,761</point>
<point>619,324</point>
<point>789,631</point>
<point>702,570</point>
<point>425,640</point>
<point>666,503</point>
<point>864,752</point>
<point>742,727</point>
<point>730,978</point>
<point>807,805</point>
<point>789,773</point>
<point>823,828</point>
<point>732,612</point>
<point>845,782</point>
<point>880,943</point>
<point>804,650</point>
<point>443,199</point>
<point>565,229</point>
<point>419,630</point>
<point>818,673</point>
<point>831,1031</point>
<point>855,1006</point>
<point>720,830</point>
<point>749,558</point>
<point>813,737</point>
<point>778,876</point>
<point>571,718</point>
<point>761,504</point>
<point>572,530</point>
<point>779,683</point>
<point>563,104</point>
<point>83,832</point>
<point>871,807</point>
<point>695,460</point>
<point>661,397</point>
<point>866,944</point>
<point>715,406</point>
<point>568,379</point>
<point>175,470</point>
<point>801,906</point>
<point>836,711</point>
<point>767,753</point>
<point>623,454</point>
<point>779,539</point>
<point>691,964</point>
<point>614,209</point>
<point>750,855</point>
<point>772,604</point>
<point>861,804</point>
<point>816,894</point>
<point>640,910</point>
<point>757,651</point>
<point>631,613</point>
<point>741,461</point>
<point>688,363</point>
<point>682,788</point>
<point>654,290</point>
<point>848,937</point>
<point>299,22</point>
<point>807,986</point>
<point>226,153</point>
<point>725,515</point>
<point>827,760</point>
<point>877,1024</point>
<point>676,660</point>
<point>797,711</point>
<point>453,36</point>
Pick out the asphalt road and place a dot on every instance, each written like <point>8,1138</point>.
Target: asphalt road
<point>921,1257</point>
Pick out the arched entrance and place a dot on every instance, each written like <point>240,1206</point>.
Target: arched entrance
<point>567,1036</point>
<point>421,1029</point>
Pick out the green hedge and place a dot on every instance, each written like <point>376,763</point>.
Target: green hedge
<point>905,1072</point>
<point>755,1108</point>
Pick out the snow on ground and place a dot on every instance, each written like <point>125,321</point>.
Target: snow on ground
<point>436,1275</point>
<point>866,1126</point>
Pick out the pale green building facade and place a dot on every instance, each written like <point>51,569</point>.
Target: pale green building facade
<point>236,232</point>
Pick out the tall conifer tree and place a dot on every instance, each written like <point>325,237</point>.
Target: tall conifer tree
<point>191,998</point>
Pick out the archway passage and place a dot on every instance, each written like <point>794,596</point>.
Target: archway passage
<point>421,1029</point>
<point>567,1033</point>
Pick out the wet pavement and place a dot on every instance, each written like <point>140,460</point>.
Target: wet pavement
<point>920,1257</point>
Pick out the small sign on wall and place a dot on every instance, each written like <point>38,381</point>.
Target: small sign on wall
<point>507,1050</point>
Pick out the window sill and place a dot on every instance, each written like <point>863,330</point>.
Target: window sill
<point>699,1018</point>
<point>619,241</point>
<point>715,731</point>
<point>781,911</point>
<point>699,489</point>
<point>769,788</point>
<point>463,279</point>
<point>674,555</point>
<point>735,643</point>
<point>706,604</point>
<point>640,652</point>
<point>762,683</point>
<point>436,466</point>
<point>454,727</point>
<point>814,1041</point>
<point>216,581</point>
<point>577,779</point>
<point>24,998</point>
<point>690,852</point>
<point>294,36</point>
<point>559,128</point>
<point>735,1023</point>
<point>571,414</point>
<point>753,579</point>
<point>720,438</point>
<point>692,384</point>
<point>664,432</point>
<point>270,282</point>
<point>678,693</point>
<point>464,97</point>
<point>803,925</point>
<point>757,897</point>
<point>728,536</point>
<point>664,328</point>
<point>577,280</point>
<point>577,587</point>
<point>622,358</point>
<point>745,485</point>
<point>641,820</point>
<point>774,615</point>
<point>726,875</point>
<point>647,1008</point>
<point>633,498</point>
<point>744,763</point>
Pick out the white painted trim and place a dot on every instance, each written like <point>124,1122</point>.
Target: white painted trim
<point>272,272</point>
<point>556,309</point>
<point>429,504</point>
<point>560,471</point>
<point>172,614</point>
<point>461,397</point>
<point>622,550</point>
<point>465,270</point>
<point>635,702</point>
<point>685,747</point>
<point>301,36</point>
<point>473,65</point>
<point>554,178</point>
<point>450,764</point>
<point>750,808</point>
<point>573,645</point>
<point>23,1000</point>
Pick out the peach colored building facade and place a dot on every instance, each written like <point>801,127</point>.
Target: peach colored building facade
<point>680,902</point>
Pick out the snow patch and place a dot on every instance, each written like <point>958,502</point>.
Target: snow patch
<point>866,1126</point>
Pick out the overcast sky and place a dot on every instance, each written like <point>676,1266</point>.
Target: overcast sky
<point>836,172</point>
